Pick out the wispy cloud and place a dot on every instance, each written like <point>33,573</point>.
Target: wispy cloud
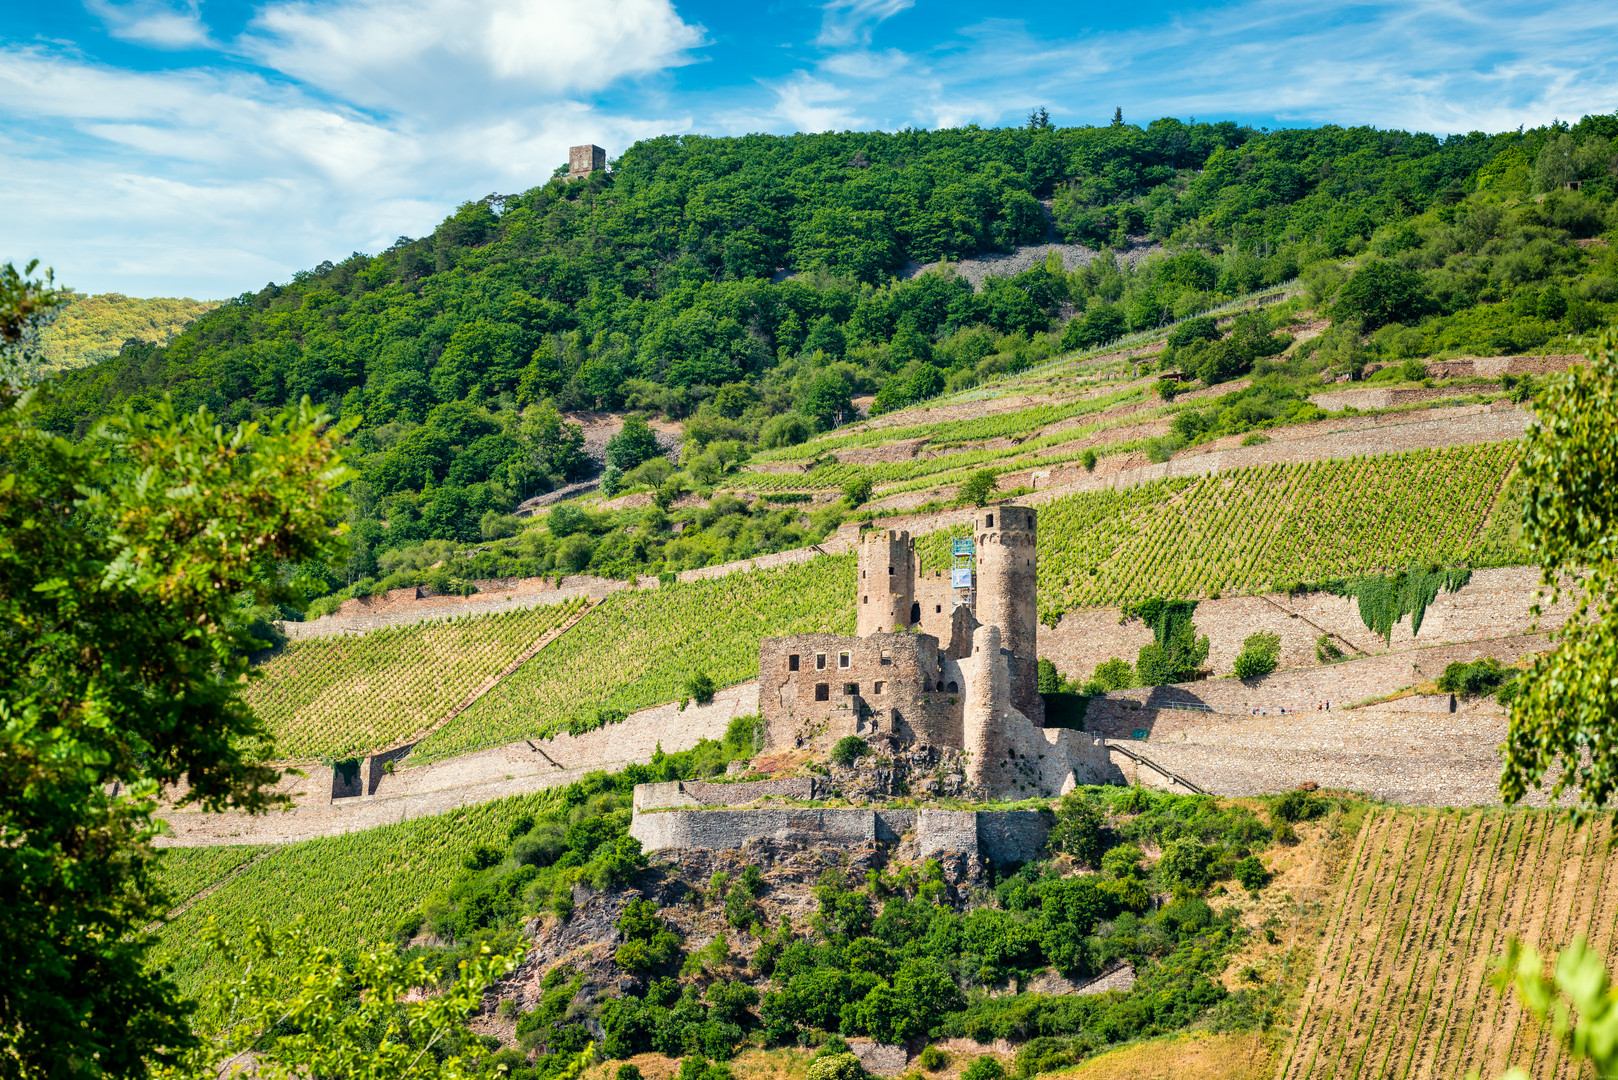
<point>852,22</point>
<point>153,22</point>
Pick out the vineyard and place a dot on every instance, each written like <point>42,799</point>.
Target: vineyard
<point>184,872</point>
<point>638,647</point>
<point>1401,988</point>
<point>341,695</point>
<point>346,889</point>
<point>1248,529</point>
<point>952,432</point>
<point>923,471</point>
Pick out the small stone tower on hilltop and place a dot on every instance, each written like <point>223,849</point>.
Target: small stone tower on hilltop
<point>884,592</point>
<point>584,160</point>
<point>1007,572</point>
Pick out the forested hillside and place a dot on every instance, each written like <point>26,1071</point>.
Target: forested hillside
<point>92,328</point>
<point>752,287</point>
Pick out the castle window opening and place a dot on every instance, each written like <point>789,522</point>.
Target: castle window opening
<point>822,691</point>
<point>940,684</point>
<point>842,660</point>
<point>851,689</point>
<point>820,661</point>
<point>887,657</point>
<point>877,687</point>
<point>953,688</point>
<point>938,609</point>
<point>915,612</point>
<point>890,571</point>
<point>792,662</point>
<point>988,521</point>
<point>866,600</point>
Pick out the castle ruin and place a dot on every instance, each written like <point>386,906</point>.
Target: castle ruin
<point>934,661</point>
<point>584,160</point>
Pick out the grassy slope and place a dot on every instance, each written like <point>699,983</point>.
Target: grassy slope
<point>339,695</point>
<point>346,889</point>
<point>637,648</point>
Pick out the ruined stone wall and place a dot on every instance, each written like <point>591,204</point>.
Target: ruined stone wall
<point>720,830</point>
<point>697,793</point>
<point>898,689</point>
<point>1001,836</point>
<point>1495,603</point>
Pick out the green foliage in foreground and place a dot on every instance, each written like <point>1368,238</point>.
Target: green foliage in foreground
<point>1565,716</point>
<point>639,646</point>
<point>126,561</point>
<point>302,1009</point>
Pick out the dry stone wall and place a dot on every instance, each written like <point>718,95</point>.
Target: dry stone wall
<point>1493,604</point>
<point>1001,836</point>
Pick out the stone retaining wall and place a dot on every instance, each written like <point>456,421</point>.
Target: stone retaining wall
<point>1494,604</point>
<point>1001,836</point>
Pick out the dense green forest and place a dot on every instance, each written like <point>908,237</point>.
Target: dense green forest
<point>750,288</point>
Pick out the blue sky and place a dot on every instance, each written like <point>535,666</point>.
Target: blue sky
<point>204,147</point>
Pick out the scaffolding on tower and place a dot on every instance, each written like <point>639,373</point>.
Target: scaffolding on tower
<point>960,571</point>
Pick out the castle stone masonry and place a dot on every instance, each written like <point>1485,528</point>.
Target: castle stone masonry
<point>584,160</point>
<point>925,668</point>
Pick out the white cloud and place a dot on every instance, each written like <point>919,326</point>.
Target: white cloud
<point>426,55</point>
<point>154,23</point>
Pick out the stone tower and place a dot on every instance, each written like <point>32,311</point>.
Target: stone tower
<point>584,160</point>
<point>1007,569</point>
<point>884,591</point>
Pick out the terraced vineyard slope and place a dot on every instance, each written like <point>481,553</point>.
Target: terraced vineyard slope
<point>346,889</point>
<point>1401,990</point>
<point>342,695</point>
<point>638,647</point>
<point>1242,531</point>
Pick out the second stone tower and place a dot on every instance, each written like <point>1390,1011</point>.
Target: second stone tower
<point>1007,573</point>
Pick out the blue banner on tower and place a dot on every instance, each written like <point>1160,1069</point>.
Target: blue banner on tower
<point>960,579</point>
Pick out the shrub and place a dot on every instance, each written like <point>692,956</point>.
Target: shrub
<point>635,443</point>
<point>1122,861</point>
<point>611,479</point>
<point>1049,680</point>
<point>844,1066</point>
<point>1088,460</point>
<point>933,1058</point>
<point>1481,676</point>
<point>1079,831</point>
<point>1186,863</point>
<point>977,488</point>
<point>1297,806</point>
<point>788,429</point>
<point>1114,674</point>
<point>648,943</point>
<point>1326,650</point>
<point>1260,654</point>
<point>699,687</point>
<point>1251,873</point>
<point>626,1071</point>
<point>857,490</point>
<point>986,1067</point>
<point>1254,439</point>
<point>848,749</point>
